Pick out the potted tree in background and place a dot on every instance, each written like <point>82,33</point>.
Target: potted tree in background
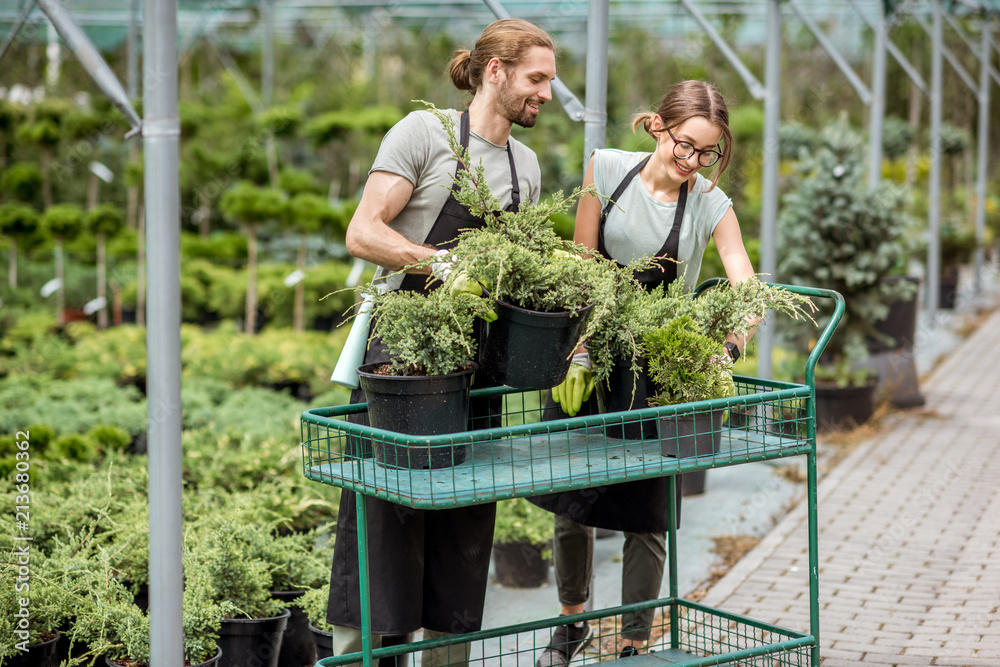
<point>834,233</point>
<point>252,206</point>
<point>522,544</point>
<point>63,222</point>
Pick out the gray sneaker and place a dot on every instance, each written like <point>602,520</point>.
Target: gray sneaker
<point>566,642</point>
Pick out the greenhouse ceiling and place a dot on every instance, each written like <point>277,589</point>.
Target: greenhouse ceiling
<point>235,21</point>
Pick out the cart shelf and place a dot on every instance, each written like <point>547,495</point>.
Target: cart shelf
<point>511,452</point>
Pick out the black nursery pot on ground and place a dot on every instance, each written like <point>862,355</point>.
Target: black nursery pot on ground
<point>844,407</point>
<point>297,645</point>
<point>211,662</point>
<point>531,349</point>
<point>417,405</point>
<point>520,564</point>
<point>252,641</point>
<point>42,654</point>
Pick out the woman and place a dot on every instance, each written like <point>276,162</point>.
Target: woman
<point>662,206</point>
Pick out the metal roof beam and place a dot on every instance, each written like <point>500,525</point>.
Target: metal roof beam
<point>756,89</point>
<point>911,71</point>
<point>91,60</point>
<point>859,86</point>
<point>949,56</point>
<point>17,27</point>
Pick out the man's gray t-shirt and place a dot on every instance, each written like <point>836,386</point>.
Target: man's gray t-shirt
<point>640,224</point>
<point>416,148</point>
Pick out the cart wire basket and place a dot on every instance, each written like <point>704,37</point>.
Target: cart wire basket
<point>510,452</point>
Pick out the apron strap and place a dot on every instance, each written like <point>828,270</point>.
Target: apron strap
<point>668,269</point>
<point>515,188</point>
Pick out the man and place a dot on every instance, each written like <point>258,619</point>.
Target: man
<point>428,569</point>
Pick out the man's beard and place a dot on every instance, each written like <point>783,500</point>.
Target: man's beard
<point>513,108</point>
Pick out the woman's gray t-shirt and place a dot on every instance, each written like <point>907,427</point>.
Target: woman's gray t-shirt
<point>416,148</point>
<point>640,223</point>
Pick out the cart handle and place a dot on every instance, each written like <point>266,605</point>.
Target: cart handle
<point>824,337</point>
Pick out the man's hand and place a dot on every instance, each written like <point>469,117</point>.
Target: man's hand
<point>577,387</point>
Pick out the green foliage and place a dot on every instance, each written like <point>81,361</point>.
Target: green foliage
<point>218,246</point>
<point>22,182</point>
<point>427,334</point>
<point>954,140</point>
<point>215,553</point>
<point>298,181</point>
<point>834,233</point>
<point>958,244</point>
<point>314,603</point>
<point>73,406</point>
<point>338,124</point>
<point>794,138</point>
<point>716,312</point>
<point>250,204</point>
<point>685,365</point>
<point>74,447</point>
<point>106,219</point>
<point>520,521</point>
<point>108,437</point>
<point>309,213</point>
<point>63,221</point>
<point>19,221</point>
<point>521,259</point>
<point>43,598</point>
<point>897,137</point>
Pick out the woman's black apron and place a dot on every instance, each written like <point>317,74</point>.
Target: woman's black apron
<point>427,568</point>
<point>640,506</point>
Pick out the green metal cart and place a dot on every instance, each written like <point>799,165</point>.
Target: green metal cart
<point>526,457</point>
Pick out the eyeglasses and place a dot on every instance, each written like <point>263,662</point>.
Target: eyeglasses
<point>683,150</point>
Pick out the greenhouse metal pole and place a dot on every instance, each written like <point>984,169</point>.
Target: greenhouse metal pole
<point>161,132</point>
<point>984,133</point>
<point>876,114</point>
<point>769,203</point>
<point>20,21</point>
<point>596,119</point>
<point>934,208</point>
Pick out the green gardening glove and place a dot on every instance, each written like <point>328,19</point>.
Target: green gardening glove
<point>463,283</point>
<point>577,387</point>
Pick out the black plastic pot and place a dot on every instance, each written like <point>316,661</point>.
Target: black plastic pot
<point>323,641</point>
<point>42,654</point>
<point>530,349</point>
<point>208,663</point>
<point>324,647</point>
<point>297,645</point>
<point>844,407</point>
<point>520,564</point>
<point>948,286</point>
<point>417,405</point>
<point>620,397</point>
<point>692,434</point>
<point>252,641</point>
<point>900,324</point>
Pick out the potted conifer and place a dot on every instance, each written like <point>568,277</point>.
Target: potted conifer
<point>549,294</point>
<point>835,233</point>
<point>522,544</point>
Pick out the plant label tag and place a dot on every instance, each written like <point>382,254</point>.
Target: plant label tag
<point>294,278</point>
<point>49,288</point>
<point>94,305</point>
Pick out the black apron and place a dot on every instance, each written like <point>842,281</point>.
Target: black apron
<point>427,568</point>
<point>640,506</point>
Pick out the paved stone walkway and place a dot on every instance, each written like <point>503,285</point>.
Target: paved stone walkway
<point>909,541</point>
